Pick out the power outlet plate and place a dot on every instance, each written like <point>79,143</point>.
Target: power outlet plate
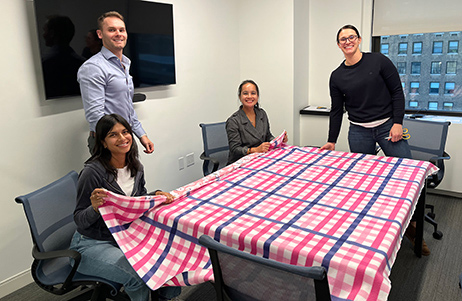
<point>190,159</point>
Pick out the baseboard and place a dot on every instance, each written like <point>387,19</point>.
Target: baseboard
<point>445,193</point>
<point>15,282</point>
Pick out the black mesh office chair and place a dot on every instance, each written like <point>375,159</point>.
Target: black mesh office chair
<point>427,143</point>
<point>216,147</point>
<point>49,211</point>
<point>241,276</point>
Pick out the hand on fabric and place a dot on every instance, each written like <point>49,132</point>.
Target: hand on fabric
<point>328,146</point>
<point>285,138</point>
<point>262,148</point>
<point>97,198</point>
<point>170,198</point>
<point>148,145</point>
<point>396,132</point>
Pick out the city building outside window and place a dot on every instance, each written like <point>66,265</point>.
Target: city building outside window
<point>448,106</point>
<point>401,66</point>
<point>402,48</point>
<point>415,68</point>
<point>453,47</point>
<point>433,83</point>
<point>433,105</point>
<point>434,88</point>
<point>451,67</point>
<point>417,48</point>
<point>413,104</point>
<point>384,48</point>
<point>436,68</point>
<point>437,47</point>
<point>449,88</point>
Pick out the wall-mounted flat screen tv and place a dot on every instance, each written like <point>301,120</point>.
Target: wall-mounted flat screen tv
<point>67,37</point>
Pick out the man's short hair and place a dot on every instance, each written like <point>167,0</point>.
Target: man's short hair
<point>107,15</point>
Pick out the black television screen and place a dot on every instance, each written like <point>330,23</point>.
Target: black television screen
<point>73,23</point>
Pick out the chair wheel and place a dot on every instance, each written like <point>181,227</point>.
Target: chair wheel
<point>431,215</point>
<point>437,234</point>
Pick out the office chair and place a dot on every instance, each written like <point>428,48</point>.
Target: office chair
<point>50,213</point>
<point>216,147</point>
<point>427,142</point>
<point>245,277</point>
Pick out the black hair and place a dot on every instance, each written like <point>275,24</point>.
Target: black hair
<point>348,26</point>
<point>103,155</point>
<point>248,81</point>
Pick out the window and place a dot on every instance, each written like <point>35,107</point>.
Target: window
<point>448,106</point>
<point>417,48</point>
<point>434,88</point>
<point>449,88</point>
<point>401,66</point>
<point>453,47</point>
<point>384,48</point>
<point>413,104</point>
<point>433,105</point>
<point>436,68</point>
<point>432,83</point>
<point>415,68</point>
<point>402,48</point>
<point>451,67</point>
<point>414,87</point>
<point>437,47</point>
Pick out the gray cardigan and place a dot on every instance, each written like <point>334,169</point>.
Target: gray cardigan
<point>242,134</point>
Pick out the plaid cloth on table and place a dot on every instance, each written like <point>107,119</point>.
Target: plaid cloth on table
<point>298,205</point>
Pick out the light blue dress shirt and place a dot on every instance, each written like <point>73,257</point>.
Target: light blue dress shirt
<point>107,87</point>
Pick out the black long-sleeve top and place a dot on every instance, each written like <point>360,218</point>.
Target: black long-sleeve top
<point>370,90</point>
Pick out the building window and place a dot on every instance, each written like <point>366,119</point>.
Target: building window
<point>453,47</point>
<point>415,68</point>
<point>451,67</point>
<point>433,105</point>
<point>401,66</point>
<point>436,68</point>
<point>384,48</point>
<point>402,48</point>
<point>417,48</point>
<point>449,88</point>
<point>434,88</point>
<point>448,106</point>
<point>414,87</point>
<point>437,47</point>
<point>413,104</point>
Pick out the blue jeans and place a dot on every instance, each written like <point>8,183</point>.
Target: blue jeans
<point>364,140</point>
<point>104,259</point>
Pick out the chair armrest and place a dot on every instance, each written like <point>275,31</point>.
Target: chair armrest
<point>215,162</point>
<point>36,254</point>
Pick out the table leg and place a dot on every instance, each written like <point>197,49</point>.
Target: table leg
<point>420,218</point>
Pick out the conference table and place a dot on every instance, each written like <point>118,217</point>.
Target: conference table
<point>299,205</point>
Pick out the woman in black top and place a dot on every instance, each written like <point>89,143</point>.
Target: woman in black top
<point>114,166</point>
<point>368,86</point>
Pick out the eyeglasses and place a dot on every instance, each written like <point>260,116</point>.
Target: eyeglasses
<point>351,38</point>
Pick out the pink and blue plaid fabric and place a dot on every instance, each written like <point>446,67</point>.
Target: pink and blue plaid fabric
<point>297,205</point>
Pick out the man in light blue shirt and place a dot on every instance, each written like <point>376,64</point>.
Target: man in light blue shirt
<point>105,83</point>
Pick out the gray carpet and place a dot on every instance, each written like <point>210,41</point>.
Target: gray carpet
<point>432,278</point>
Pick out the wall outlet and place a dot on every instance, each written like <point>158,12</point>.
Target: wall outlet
<point>190,159</point>
<point>180,163</point>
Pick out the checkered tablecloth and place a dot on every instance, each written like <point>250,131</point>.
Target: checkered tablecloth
<point>298,205</point>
